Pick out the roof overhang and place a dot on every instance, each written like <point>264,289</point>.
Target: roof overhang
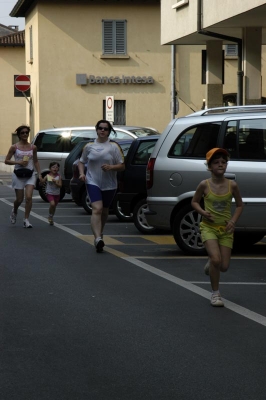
<point>232,27</point>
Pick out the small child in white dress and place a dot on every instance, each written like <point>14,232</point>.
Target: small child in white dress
<point>53,184</point>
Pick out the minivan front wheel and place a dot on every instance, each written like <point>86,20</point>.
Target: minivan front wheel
<point>186,231</point>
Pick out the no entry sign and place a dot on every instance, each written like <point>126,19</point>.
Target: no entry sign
<point>22,83</point>
<point>22,86</point>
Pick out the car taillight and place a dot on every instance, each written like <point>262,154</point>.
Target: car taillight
<point>149,173</point>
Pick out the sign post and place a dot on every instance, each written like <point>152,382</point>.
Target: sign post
<point>109,113</point>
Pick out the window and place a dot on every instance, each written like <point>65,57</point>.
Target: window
<point>119,112</point>
<point>144,152</point>
<point>246,139</point>
<point>114,37</point>
<point>196,141</point>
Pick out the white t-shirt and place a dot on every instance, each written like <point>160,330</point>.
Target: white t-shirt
<point>96,154</point>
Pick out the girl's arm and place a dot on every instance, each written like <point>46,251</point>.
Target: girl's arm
<point>238,201</point>
<point>59,182</point>
<point>196,200</point>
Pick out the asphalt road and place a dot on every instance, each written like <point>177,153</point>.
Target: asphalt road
<point>132,323</point>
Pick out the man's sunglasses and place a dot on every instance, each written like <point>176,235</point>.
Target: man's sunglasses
<point>103,128</point>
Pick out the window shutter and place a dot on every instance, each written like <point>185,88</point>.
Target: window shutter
<point>231,50</point>
<point>114,37</point>
<point>108,37</point>
<point>120,37</point>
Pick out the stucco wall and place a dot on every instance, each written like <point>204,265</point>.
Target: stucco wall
<point>69,41</point>
<point>13,109</point>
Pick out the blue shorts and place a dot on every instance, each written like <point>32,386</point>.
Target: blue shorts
<point>96,194</point>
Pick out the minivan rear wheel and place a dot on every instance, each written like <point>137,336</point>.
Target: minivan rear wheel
<point>119,213</point>
<point>186,231</point>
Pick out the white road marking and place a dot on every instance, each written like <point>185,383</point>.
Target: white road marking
<point>245,312</point>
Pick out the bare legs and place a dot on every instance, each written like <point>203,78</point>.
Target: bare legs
<point>98,218</point>
<point>219,257</point>
<point>20,198</point>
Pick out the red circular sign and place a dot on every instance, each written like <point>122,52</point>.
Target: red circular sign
<point>22,83</point>
<point>109,103</point>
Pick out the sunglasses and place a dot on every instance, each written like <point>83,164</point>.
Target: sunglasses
<point>103,128</point>
<point>24,133</point>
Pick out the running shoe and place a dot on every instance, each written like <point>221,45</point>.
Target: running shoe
<point>99,244</point>
<point>216,300</point>
<point>13,217</point>
<point>50,220</point>
<point>27,223</point>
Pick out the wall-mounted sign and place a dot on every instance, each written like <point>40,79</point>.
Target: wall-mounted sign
<point>21,85</point>
<point>109,108</point>
<point>120,80</point>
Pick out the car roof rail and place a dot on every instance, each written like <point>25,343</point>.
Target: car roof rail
<point>236,109</point>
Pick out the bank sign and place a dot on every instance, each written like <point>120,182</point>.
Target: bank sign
<point>120,80</point>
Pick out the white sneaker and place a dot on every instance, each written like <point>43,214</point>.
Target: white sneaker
<point>99,244</point>
<point>13,217</point>
<point>216,300</point>
<point>27,223</point>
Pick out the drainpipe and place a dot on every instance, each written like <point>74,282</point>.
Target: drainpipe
<point>173,91</point>
<point>240,72</point>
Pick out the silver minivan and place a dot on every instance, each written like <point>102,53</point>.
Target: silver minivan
<point>55,144</point>
<point>177,165</point>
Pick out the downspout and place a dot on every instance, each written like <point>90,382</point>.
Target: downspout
<point>173,91</point>
<point>240,72</point>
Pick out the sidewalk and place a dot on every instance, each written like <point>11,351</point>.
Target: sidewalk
<point>5,178</point>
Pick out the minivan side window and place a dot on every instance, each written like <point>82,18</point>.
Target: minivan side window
<point>62,141</point>
<point>246,139</point>
<point>196,141</point>
<point>253,146</point>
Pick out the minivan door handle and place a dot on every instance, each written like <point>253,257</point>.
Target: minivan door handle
<point>230,176</point>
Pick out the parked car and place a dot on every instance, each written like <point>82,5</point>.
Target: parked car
<point>78,187</point>
<point>177,165</point>
<point>55,144</point>
<point>132,182</point>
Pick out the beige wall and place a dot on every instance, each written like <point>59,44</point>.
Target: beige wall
<point>13,109</point>
<point>68,41</point>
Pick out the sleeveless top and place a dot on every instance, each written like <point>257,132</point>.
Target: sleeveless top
<point>19,154</point>
<point>219,206</point>
<point>51,187</point>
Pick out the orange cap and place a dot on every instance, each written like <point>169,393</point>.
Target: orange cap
<point>211,153</point>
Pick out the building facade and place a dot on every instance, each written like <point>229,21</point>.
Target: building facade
<point>78,53</point>
<point>215,24</point>
<point>13,109</point>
